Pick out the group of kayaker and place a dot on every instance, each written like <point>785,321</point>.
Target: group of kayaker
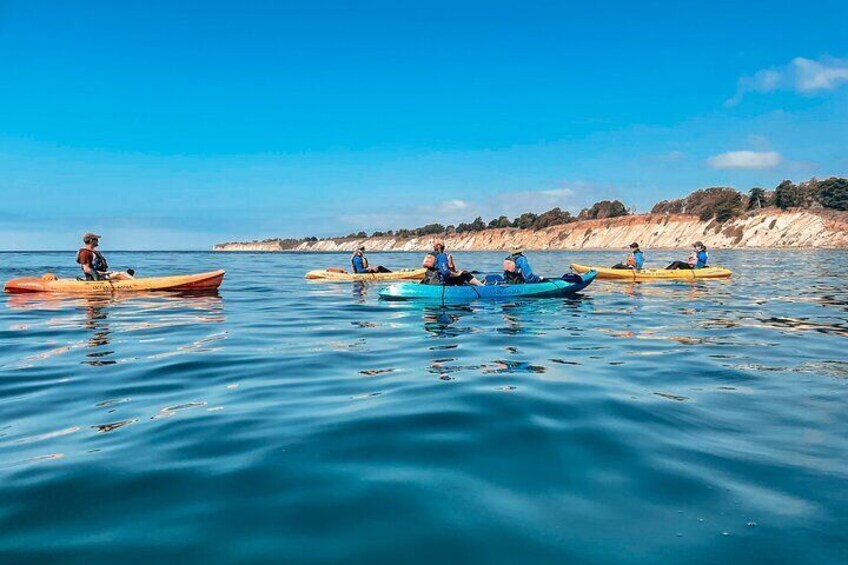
<point>636,259</point>
<point>440,266</point>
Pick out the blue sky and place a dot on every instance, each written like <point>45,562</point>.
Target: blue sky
<point>181,124</point>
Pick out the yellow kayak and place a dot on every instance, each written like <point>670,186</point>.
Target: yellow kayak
<point>340,276</point>
<point>606,273</point>
<point>182,283</point>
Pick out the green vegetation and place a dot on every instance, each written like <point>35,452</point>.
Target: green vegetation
<point>527,220</point>
<point>833,193</point>
<point>724,203</point>
<point>718,203</point>
<point>603,209</point>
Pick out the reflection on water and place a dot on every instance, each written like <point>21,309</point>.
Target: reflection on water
<point>443,321</point>
<point>637,422</point>
<point>97,322</point>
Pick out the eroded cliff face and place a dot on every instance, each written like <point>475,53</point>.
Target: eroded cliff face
<point>769,228</point>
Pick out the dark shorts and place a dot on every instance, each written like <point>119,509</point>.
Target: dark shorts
<point>458,280</point>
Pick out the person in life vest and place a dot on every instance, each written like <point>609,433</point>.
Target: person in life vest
<point>517,268</point>
<point>441,269</point>
<point>93,263</point>
<point>697,259</point>
<point>359,263</point>
<point>635,261</point>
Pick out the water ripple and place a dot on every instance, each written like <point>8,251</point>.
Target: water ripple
<point>306,422</point>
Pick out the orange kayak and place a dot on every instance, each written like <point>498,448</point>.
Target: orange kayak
<point>183,283</point>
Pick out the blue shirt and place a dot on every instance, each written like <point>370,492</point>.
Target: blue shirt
<point>358,265</point>
<point>702,259</point>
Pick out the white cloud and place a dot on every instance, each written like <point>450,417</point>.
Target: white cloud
<point>745,160</point>
<point>801,75</point>
<point>452,206</point>
<point>811,76</point>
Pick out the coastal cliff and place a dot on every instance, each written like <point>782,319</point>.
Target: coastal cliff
<point>766,228</point>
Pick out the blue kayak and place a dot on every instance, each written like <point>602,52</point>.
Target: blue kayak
<point>549,288</point>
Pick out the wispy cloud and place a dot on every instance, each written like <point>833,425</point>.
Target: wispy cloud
<point>805,76</point>
<point>745,160</point>
<point>449,206</point>
<point>510,204</point>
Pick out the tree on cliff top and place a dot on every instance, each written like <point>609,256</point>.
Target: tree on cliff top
<point>603,209</point>
<point>787,195</point>
<point>720,202</point>
<point>477,225</point>
<point>553,217</point>
<point>674,206</point>
<point>757,198</point>
<point>499,222</point>
<point>833,193</point>
<point>524,221</point>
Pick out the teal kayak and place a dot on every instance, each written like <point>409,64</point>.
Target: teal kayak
<point>549,288</point>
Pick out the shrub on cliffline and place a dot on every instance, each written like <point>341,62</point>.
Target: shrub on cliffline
<point>717,202</point>
<point>603,209</point>
<point>674,206</point>
<point>833,193</point>
<point>554,217</point>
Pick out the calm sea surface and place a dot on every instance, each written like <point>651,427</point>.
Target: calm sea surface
<point>286,421</point>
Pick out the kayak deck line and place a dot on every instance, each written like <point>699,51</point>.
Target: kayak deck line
<point>327,275</point>
<point>199,282</point>
<point>631,275</point>
<point>444,294</point>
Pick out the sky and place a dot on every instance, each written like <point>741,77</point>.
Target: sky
<point>177,125</point>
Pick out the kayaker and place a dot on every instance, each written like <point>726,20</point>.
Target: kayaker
<point>92,262</point>
<point>441,269</point>
<point>697,259</point>
<point>517,268</point>
<point>359,263</point>
<point>635,261</point>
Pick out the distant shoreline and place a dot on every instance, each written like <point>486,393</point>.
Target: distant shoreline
<point>770,228</point>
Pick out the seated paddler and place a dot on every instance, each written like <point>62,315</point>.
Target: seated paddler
<point>441,269</point>
<point>90,260</point>
<point>635,261</point>
<point>517,268</point>
<point>359,263</point>
<point>697,259</point>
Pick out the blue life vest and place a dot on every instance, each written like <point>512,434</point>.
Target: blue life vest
<point>702,259</point>
<point>639,258</point>
<point>523,272</point>
<point>359,264</point>
<point>443,265</point>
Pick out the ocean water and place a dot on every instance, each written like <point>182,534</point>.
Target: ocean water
<point>287,421</point>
